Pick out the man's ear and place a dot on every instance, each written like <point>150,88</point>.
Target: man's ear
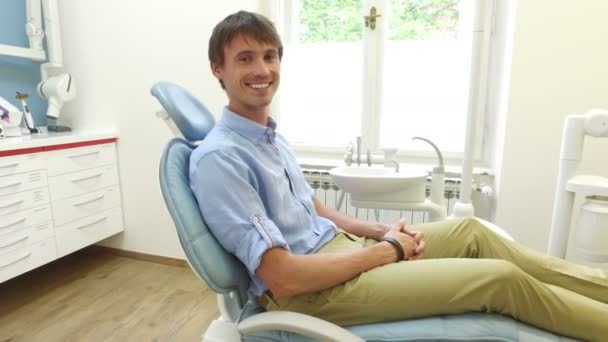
<point>217,71</point>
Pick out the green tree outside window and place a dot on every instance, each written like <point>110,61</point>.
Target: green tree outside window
<point>341,20</point>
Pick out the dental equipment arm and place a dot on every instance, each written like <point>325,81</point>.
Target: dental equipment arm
<point>33,29</point>
<point>57,90</point>
<point>56,86</point>
<point>594,123</point>
<point>33,25</point>
<point>477,83</point>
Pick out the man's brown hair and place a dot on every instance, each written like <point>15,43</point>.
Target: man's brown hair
<point>249,24</point>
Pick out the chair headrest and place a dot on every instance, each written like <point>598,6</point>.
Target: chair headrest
<point>190,116</point>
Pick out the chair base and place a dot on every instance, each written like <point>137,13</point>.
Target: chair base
<point>222,331</point>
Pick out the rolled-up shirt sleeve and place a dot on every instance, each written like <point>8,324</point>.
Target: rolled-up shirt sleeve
<point>225,188</point>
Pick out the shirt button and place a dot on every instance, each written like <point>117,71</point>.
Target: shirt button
<point>256,219</point>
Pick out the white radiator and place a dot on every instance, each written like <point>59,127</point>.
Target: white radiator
<point>328,193</point>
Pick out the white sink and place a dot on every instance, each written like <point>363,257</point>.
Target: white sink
<point>380,184</point>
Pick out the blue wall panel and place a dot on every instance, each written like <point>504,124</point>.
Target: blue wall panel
<point>18,74</point>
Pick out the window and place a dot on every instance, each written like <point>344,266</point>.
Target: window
<point>409,76</point>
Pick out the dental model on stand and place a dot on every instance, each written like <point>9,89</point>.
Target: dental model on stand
<point>27,115</point>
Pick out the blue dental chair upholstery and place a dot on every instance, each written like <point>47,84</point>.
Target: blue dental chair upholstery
<point>243,320</point>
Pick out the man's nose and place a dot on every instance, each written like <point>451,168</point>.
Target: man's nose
<point>261,68</point>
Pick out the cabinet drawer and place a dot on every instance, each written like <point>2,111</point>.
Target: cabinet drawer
<point>81,158</point>
<point>21,163</point>
<point>23,200</point>
<point>81,206</point>
<point>26,258</point>
<point>25,237</point>
<point>86,231</point>
<point>22,181</point>
<point>78,183</point>
<point>25,218</point>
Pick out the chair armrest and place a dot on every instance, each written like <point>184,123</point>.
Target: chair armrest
<point>296,323</point>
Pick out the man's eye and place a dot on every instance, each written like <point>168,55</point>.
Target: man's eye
<point>244,59</point>
<point>271,57</point>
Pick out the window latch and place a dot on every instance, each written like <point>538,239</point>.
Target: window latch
<point>370,20</point>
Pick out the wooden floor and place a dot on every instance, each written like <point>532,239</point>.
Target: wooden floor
<point>101,297</point>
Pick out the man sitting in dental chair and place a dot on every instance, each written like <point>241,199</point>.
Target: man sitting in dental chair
<point>303,256</point>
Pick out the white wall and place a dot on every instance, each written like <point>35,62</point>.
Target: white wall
<point>559,67</point>
<point>117,50</point>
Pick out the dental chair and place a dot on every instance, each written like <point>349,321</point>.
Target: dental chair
<point>242,319</point>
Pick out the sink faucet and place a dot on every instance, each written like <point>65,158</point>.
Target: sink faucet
<point>388,160</point>
<point>348,157</point>
<point>437,175</point>
<point>394,162</point>
<point>359,151</point>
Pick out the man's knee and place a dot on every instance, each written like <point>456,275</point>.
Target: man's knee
<point>471,225</point>
<point>465,226</point>
<point>505,271</point>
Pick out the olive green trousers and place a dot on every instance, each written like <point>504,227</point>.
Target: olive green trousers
<point>466,267</point>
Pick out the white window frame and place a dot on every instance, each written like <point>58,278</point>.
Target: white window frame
<point>283,12</point>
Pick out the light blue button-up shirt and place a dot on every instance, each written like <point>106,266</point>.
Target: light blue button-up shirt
<point>253,195</point>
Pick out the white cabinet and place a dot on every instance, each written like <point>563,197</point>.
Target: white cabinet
<point>88,230</point>
<point>54,200</point>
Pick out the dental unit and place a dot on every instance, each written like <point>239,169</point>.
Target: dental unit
<point>56,85</point>
<point>381,189</point>
<point>591,229</point>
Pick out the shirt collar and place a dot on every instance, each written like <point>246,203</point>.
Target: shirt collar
<point>248,128</point>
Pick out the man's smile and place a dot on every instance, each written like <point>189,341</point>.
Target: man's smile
<point>259,85</point>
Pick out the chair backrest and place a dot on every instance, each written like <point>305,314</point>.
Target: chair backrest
<point>222,272</point>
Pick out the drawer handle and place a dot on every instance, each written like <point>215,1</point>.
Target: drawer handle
<point>88,177</point>
<point>91,200</point>
<point>26,255</point>
<point>42,226</point>
<point>6,166</point>
<point>12,204</point>
<point>14,223</point>
<point>92,223</point>
<point>83,154</point>
<point>14,242</point>
<point>10,185</point>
